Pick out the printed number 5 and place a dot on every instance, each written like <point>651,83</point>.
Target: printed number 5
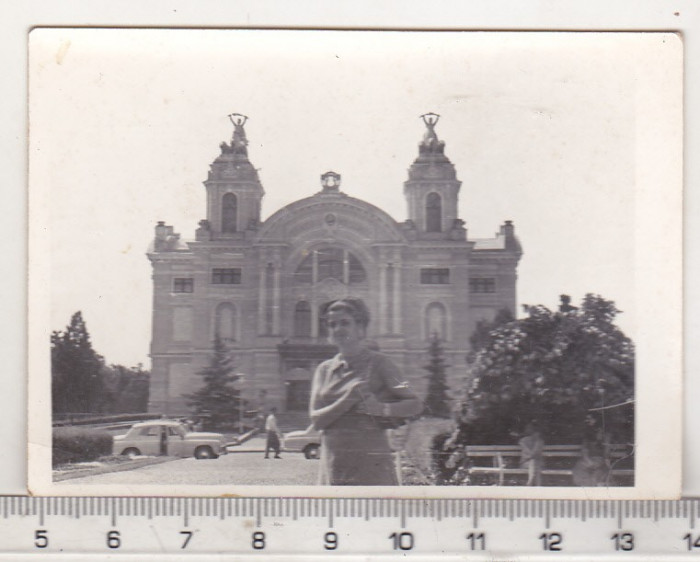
<point>41,538</point>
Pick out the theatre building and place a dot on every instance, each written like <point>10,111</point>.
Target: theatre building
<point>263,286</point>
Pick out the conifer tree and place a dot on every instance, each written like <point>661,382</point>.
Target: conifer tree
<point>76,382</point>
<point>218,402</point>
<point>437,400</point>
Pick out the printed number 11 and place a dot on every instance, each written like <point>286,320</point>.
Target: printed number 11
<point>477,541</point>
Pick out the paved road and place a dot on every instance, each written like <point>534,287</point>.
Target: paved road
<point>245,466</point>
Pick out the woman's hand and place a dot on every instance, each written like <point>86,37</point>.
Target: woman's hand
<point>359,389</point>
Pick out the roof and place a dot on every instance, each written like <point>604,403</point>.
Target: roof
<point>498,243</point>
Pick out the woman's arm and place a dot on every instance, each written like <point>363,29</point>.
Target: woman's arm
<point>406,403</point>
<point>323,416</point>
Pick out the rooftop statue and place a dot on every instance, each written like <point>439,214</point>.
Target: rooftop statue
<point>430,120</point>
<point>239,138</point>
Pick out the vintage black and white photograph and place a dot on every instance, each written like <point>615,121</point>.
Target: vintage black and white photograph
<point>420,264</point>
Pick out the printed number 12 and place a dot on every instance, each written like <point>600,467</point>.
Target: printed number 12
<point>551,541</point>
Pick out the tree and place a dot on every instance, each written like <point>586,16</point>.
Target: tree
<point>482,333</point>
<point>125,389</point>
<point>572,371</point>
<point>76,384</point>
<point>437,400</point>
<point>217,401</point>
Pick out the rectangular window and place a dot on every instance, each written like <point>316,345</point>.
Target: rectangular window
<point>226,276</point>
<point>482,284</point>
<point>435,276</point>
<point>183,285</point>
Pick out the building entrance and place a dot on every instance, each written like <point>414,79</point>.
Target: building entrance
<point>298,395</point>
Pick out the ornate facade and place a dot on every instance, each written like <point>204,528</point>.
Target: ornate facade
<point>263,285</point>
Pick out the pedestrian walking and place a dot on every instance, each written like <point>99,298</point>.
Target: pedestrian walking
<point>273,435</point>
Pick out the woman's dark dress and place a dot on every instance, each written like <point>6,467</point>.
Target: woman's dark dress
<point>354,445</point>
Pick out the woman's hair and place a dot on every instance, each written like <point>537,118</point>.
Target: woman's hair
<point>354,307</point>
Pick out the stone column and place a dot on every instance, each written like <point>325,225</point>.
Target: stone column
<point>346,267</point>
<point>276,306</point>
<point>314,319</point>
<point>397,296</point>
<point>314,267</point>
<point>382,298</point>
<point>261,297</point>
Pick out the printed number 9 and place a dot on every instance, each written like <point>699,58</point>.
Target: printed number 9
<point>331,540</point>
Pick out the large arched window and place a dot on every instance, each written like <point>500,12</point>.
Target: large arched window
<point>322,323</point>
<point>435,321</point>
<point>302,320</point>
<point>229,213</point>
<point>330,263</point>
<point>226,321</point>
<point>433,213</point>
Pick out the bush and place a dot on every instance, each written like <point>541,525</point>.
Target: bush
<point>77,444</point>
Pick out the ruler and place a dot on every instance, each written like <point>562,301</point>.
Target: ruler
<point>268,528</point>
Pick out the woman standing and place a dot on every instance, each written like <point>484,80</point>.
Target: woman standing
<point>355,398</point>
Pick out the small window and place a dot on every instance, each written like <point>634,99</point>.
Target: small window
<point>183,285</point>
<point>435,276</point>
<point>226,276</point>
<point>482,285</point>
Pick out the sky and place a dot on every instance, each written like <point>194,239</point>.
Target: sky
<point>543,129</point>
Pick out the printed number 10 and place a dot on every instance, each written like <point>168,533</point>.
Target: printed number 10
<point>402,541</point>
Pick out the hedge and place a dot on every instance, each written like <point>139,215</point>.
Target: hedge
<point>90,419</point>
<point>79,444</point>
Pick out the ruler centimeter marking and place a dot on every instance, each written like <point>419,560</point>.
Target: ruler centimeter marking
<point>403,520</point>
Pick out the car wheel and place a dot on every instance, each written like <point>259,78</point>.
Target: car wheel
<point>204,452</point>
<point>131,452</point>
<point>312,451</point>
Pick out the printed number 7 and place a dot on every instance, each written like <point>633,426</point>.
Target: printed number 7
<point>188,536</point>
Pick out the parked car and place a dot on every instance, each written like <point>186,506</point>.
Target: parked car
<point>169,437</point>
<point>308,441</point>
